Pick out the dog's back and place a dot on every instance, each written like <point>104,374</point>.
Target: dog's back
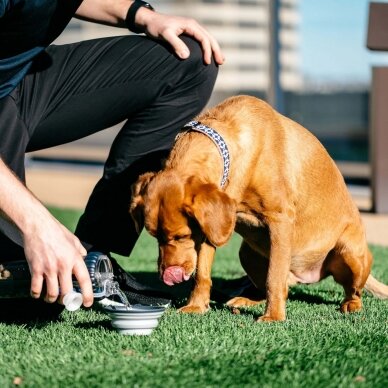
<point>274,159</point>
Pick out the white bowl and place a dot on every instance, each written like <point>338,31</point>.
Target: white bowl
<point>134,320</point>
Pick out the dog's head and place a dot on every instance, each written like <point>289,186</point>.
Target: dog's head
<point>181,214</point>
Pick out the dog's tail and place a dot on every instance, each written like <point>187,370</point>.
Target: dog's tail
<point>376,288</point>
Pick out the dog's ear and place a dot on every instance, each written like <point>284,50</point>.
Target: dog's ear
<point>214,210</point>
<point>136,207</point>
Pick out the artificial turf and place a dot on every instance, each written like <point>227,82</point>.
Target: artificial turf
<point>316,347</point>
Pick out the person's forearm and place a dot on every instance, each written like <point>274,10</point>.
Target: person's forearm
<point>110,12</point>
<point>17,203</point>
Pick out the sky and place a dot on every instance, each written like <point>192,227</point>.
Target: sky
<point>333,37</point>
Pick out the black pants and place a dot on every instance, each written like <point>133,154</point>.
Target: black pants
<point>75,90</point>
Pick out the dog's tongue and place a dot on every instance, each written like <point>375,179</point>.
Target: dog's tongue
<point>173,275</point>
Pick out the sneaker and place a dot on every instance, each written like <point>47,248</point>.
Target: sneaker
<point>136,292</point>
<point>135,298</point>
<point>229,289</point>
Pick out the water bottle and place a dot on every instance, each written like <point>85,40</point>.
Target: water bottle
<point>101,274</point>
<point>15,281</point>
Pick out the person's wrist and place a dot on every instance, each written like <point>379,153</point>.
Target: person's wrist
<point>38,218</point>
<point>137,16</point>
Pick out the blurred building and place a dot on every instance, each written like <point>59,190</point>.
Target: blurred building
<point>242,29</point>
<point>339,117</point>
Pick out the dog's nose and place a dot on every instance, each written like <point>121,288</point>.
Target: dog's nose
<point>174,274</point>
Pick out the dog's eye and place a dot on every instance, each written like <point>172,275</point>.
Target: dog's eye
<point>182,237</point>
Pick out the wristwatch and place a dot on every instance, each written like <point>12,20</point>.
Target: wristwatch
<point>130,18</point>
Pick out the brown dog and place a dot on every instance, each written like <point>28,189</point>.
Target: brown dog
<point>284,195</point>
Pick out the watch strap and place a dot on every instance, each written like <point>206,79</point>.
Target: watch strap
<point>131,14</point>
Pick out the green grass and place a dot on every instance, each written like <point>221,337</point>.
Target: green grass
<point>316,347</point>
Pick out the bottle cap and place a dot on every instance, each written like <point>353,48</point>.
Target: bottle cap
<point>72,300</point>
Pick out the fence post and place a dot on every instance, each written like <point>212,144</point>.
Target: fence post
<point>378,132</point>
<point>378,139</point>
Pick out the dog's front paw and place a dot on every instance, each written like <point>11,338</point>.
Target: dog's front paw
<point>240,301</point>
<point>351,306</point>
<point>270,318</point>
<point>192,309</point>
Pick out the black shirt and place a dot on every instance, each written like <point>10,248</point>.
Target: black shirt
<point>27,27</point>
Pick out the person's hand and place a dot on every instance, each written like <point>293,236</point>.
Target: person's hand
<point>169,28</point>
<point>54,254</point>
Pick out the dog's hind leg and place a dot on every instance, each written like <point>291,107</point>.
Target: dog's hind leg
<point>256,267</point>
<point>350,267</point>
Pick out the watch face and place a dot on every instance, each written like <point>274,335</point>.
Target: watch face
<point>148,5</point>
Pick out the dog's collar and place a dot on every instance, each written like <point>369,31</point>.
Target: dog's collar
<point>218,141</point>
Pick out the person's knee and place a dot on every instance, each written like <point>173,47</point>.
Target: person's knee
<point>196,62</point>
